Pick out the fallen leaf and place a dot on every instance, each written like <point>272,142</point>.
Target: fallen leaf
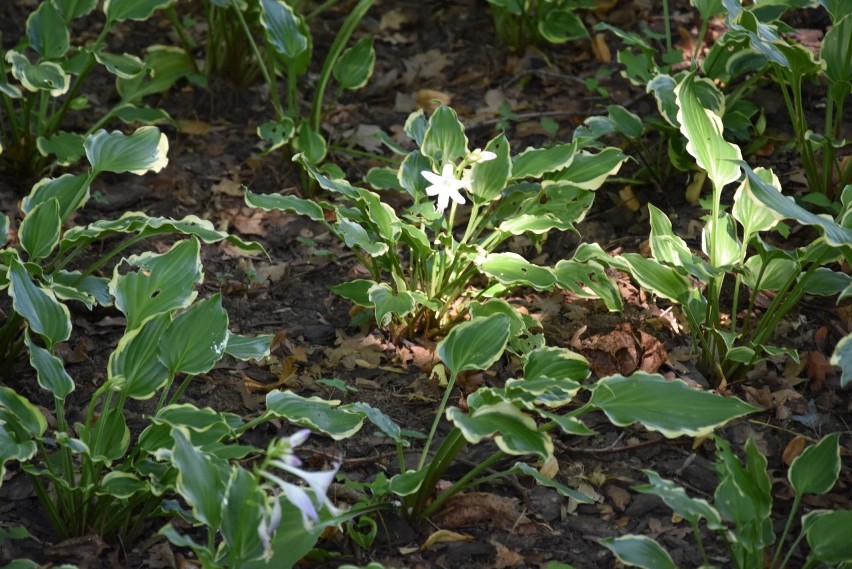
<point>505,557</point>
<point>629,199</point>
<point>429,99</point>
<point>228,187</point>
<point>619,496</point>
<point>475,508</point>
<point>793,449</point>
<point>444,536</point>
<point>194,127</point>
<point>600,47</point>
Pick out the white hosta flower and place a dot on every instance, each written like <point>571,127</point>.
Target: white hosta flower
<point>445,186</point>
<point>480,155</point>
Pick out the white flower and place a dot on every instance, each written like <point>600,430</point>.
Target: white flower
<point>445,186</point>
<point>480,155</point>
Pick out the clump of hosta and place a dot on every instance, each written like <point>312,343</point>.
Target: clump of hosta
<point>435,259</point>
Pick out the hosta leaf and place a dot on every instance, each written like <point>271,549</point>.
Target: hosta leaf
<point>659,279</point>
<point>555,363</point>
<point>475,344</point>
<point>647,399</point>
<point>356,290</point>
<point>410,176</point>
<point>314,413</point>
<point>44,314</point>
<point>4,228</point>
<point>816,470</point>
<point>512,269</point>
<point>135,359</point>
<point>44,76</point>
<point>387,303</point>
<point>50,372</point>
<point>66,146</point>
<point>248,347</point>
<point>125,66</point>
<point>625,122</point>
<point>120,10</point>
<point>165,64</point>
<point>752,214</point>
<point>109,438</point>
<point>703,130</point>
<point>205,427</point>
<point>196,339</point>
<point>676,498</point>
<point>355,65</point>
<point>144,150</point>
<point>39,231</point>
<point>384,423</point>
<point>523,468</point>
<point>277,133</point>
<point>200,479</point>
<point>270,202</point>
<point>281,28</point>
<point>444,140</point>
<point>122,485</point>
<point>487,179</point>
<point>589,171</point>
<point>17,411</point>
<point>828,535</point>
<point>310,144</point>
<point>842,357</point>
<point>836,51</point>
<point>47,32</point>
<point>72,9</point>
<point>560,26</point>
<point>513,431</point>
<point>589,280</point>
<point>69,190</point>
<point>10,449</point>
<point>354,235</point>
<point>163,282</point>
<point>242,510</point>
<point>639,551</point>
<point>533,162</point>
<point>785,207</point>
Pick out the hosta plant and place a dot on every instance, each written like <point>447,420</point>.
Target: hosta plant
<point>429,260</point>
<point>730,341</point>
<point>520,415</point>
<point>43,78</point>
<point>523,23</point>
<point>286,50</point>
<point>741,513</point>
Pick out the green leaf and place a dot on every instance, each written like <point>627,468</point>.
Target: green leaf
<point>163,282</point>
<point>703,130</point>
<point>291,542</point>
<point>109,438</point>
<point>554,363</point>
<point>356,290</point>
<point>165,64</point>
<point>785,207</point>
<point>828,535</point>
<point>657,278</point>
<point>311,144</point>
<point>383,178</point>
<point>676,498</point>
<point>588,279</point>
<point>639,551</point>
<point>72,9</point>
<point>387,303</point>
<point>817,469</point>
<point>560,26</point>
<point>50,372</point>
<point>410,177</point>
<point>752,214</point>
<point>196,339</point>
<point>514,432</point>
<point>385,424</point>
<point>69,190</point>
<point>842,357</point>
<point>242,511</point>
<point>475,344</point>
<point>66,146</point>
<point>144,150</point>
<point>282,29</point>
<point>120,10</point>
<point>487,179</point>
<point>270,202</point>
<point>533,162</point>
<point>4,229</point>
<point>44,314</point>
<point>200,478</point>
<point>47,32</point>
<point>444,140</point>
<point>248,347</point>
<point>354,235</point>
<point>647,399</point>
<point>122,485</point>
<point>669,248</point>
<point>512,269</point>
<point>44,76</point>
<point>277,133</point>
<point>541,479</point>
<point>314,413</point>
<point>124,66</point>
<point>39,231</point>
<point>589,171</point>
<point>625,122</point>
<point>355,65</point>
<point>18,411</point>
<point>135,359</point>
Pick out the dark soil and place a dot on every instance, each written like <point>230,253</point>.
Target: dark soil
<point>287,294</point>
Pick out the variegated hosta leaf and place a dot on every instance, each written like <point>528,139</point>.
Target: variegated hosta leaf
<point>842,357</point>
<point>109,438</point>
<point>195,340</point>
<point>125,66</point>
<point>165,64</point>
<point>242,512</point>
<point>513,431</point>
<point>387,304</point>
<point>475,344</point>
<point>204,427</point>
<point>270,202</point>
<point>143,151</point>
<point>47,32</point>
<point>67,147</point>
<point>248,347</point>
<point>201,478</point>
<point>676,498</point>
<point>488,178</point>
<point>752,214</point>
<point>18,413</point>
<point>282,30</point>
<point>120,10</point>
<point>828,535</point>
<point>50,372</point>
<point>512,269</point>
<point>71,191</point>
<point>314,413</point>
<point>122,485</point>
<point>355,66</point>
<point>44,76</point>
<point>639,551</point>
<point>816,470</point>
<point>162,282</point>
<point>444,140</point>
<point>589,171</point>
<point>39,231</point>
<point>534,162</point>
<point>649,399</point>
<point>135,359</point>
<point>524,468</point>
<point>44,314</point>
<point>703,131</point>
